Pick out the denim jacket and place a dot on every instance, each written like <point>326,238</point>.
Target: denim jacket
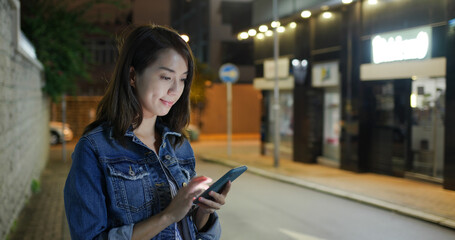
<point>111,186</point>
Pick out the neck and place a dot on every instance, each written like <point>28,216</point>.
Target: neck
<point>146,128</point>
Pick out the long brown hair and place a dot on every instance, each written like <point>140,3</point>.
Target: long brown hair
<point>120,107</point>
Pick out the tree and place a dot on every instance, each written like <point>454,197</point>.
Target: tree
<point>57,32</point>
<point>203,76</point>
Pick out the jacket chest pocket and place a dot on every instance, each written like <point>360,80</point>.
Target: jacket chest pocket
<point>131,185</point>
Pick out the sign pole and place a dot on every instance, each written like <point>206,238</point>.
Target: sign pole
<point>276,91</point>
<point>229,117</point>
<point>229,73</point>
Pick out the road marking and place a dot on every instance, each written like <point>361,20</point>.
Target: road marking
<point>298,236</point>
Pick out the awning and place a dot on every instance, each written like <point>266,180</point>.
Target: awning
<point>434,67</point>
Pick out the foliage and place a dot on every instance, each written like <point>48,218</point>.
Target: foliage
<point>203,76</point>
<point>57,32</point>
<point>36,186</point>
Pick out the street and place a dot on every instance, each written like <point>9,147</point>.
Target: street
<point>260,208</point>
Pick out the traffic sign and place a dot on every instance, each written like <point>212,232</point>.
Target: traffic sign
<point>229,73</point>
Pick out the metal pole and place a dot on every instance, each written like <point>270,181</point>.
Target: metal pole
<point>63,127</point>
<point>229,117</point>
<point>276,90</point>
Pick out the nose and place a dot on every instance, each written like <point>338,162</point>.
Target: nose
<point>176,87</point>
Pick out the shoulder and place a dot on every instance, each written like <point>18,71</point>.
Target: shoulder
<point>100,129</point>
<point>93,139</point>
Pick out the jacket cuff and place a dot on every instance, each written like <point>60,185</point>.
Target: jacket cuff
<point>211,230</point>
<point>123,232</point>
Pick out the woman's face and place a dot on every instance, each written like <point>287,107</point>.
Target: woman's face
<point>161,84</point>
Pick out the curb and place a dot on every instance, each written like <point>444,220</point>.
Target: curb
<point>442,221</point>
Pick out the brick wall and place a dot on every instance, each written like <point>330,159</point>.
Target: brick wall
<point>24,131</point>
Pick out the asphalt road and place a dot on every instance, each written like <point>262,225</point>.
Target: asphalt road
<point>260,208</point>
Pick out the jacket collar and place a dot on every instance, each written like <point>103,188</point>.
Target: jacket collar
<point>160,127</point>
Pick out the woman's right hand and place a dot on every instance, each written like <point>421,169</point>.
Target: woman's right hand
<point>182,202</point>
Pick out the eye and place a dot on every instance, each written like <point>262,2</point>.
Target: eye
<point>165,78</point>
<point>183,79</point>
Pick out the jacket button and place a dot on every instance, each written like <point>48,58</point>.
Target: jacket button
<point>167,157</point>
<point>164,145</point>
<point>184,184</point>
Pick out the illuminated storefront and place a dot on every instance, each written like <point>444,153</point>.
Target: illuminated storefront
<point>405,91</point>
<point>379,91</point>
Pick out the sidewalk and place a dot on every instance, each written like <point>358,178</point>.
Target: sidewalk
<point>43,217</point>
<point>426,201</point>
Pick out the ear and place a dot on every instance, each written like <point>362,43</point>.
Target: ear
<point>132,77</point>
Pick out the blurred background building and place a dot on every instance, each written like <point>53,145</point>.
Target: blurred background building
<point>376,92</point>
<point>211,27</point>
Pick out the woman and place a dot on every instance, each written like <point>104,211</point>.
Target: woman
<point>133,171</point>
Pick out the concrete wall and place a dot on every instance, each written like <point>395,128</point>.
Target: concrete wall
<point>24,131</point>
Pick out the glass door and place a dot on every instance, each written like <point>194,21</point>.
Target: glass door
<point>331,130</point>
<point>428,109</point>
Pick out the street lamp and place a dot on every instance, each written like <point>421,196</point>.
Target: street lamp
<point>305,14</point>
<point>263,28</point>
<point>185,37</point>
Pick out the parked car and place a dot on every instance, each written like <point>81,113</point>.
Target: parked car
<point>60,133</point>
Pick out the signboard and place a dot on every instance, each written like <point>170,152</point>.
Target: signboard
<point>283,68</point>
<point>229,73</point>
<point>325,74</point>
<point>402,45</point>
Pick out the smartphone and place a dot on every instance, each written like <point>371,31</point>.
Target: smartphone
<point>218,186</point>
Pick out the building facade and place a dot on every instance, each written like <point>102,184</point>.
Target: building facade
<point>375,93</point>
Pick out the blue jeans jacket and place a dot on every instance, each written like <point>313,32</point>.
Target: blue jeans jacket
<point>110,187</point>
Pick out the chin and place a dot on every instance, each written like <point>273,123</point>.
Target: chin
<point>162,114</point>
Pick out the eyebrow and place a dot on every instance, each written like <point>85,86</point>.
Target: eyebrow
<point>170,70</point>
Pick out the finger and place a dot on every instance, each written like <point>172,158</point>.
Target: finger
<point>197,184</point>
<point>226,188</point>
<point>219,198</point>
<point>208,204</point>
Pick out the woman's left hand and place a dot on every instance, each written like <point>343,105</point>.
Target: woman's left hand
<point>207,206</point>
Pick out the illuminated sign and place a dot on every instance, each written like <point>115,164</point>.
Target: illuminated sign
<point>325,74</point>
<point>403,45</point>
<point>283,68</point>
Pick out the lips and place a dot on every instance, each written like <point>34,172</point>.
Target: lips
<point>167,103</point>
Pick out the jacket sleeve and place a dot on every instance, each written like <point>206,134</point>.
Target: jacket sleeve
<point>212,230</point>
<point>85,200</point>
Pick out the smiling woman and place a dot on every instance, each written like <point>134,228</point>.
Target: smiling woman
<point>133,171</point>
